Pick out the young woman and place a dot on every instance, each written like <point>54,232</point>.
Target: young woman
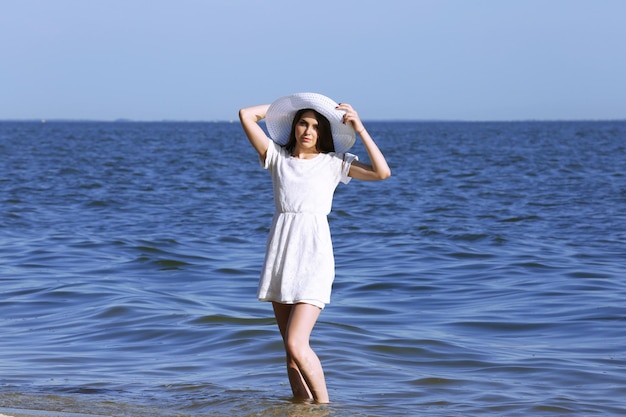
<point>306,156</point>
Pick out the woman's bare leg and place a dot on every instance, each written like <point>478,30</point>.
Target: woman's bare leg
<point>299,388</point>
<point>304,368</point>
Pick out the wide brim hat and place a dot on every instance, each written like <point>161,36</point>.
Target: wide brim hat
<point>279,118</point>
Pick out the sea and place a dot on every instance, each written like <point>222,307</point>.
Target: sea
<point>486,277</point>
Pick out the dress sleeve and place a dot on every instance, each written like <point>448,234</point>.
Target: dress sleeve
<point>347,159</point>
<point>273,150</point>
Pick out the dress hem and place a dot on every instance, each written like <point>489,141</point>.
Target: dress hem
<point>315,303</point>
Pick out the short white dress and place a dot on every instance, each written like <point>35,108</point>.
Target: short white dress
<point>299,262</point>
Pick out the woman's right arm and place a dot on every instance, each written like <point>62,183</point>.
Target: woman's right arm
<point>250,118</point>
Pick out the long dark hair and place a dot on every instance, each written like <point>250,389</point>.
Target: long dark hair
<point>325,141</point>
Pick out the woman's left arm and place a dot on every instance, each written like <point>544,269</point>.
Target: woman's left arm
<point>378,170</point>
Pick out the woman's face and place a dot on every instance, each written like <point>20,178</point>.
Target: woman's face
<point>306,131</point>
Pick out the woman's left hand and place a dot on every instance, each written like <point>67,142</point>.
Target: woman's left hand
<point>378,169</point>
<point>351,116</point>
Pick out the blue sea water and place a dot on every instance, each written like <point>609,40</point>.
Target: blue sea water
<point>486,277</point>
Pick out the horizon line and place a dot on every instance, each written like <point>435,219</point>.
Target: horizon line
<point>124,120</point>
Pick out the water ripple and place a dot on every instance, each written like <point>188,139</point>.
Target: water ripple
<point>484,278</point>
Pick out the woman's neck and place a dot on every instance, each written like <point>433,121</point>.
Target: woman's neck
<point>304,153</point>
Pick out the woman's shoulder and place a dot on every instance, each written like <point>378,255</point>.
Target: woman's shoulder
<point>343,157</point>
<point>276,147</point>
<point>334,155</point>
<point>276,151</point>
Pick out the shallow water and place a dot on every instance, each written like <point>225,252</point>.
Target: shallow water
<point>485,277</point>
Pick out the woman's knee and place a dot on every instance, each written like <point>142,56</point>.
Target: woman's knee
<point>296,349</point>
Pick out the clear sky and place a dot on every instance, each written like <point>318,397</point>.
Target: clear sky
<point>391,59</point>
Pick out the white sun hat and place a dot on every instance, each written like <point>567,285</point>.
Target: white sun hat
<point>279,118</point>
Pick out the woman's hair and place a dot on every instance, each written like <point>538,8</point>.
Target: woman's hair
<point>325,141</point>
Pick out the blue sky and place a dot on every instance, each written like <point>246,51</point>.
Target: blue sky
<point>392,59</point>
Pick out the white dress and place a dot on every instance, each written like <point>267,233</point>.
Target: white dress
<point>299,262</point>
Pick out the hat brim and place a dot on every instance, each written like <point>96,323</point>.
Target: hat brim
<point>279,118</point>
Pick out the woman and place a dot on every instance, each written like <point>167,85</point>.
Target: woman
<point>306,156</point>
